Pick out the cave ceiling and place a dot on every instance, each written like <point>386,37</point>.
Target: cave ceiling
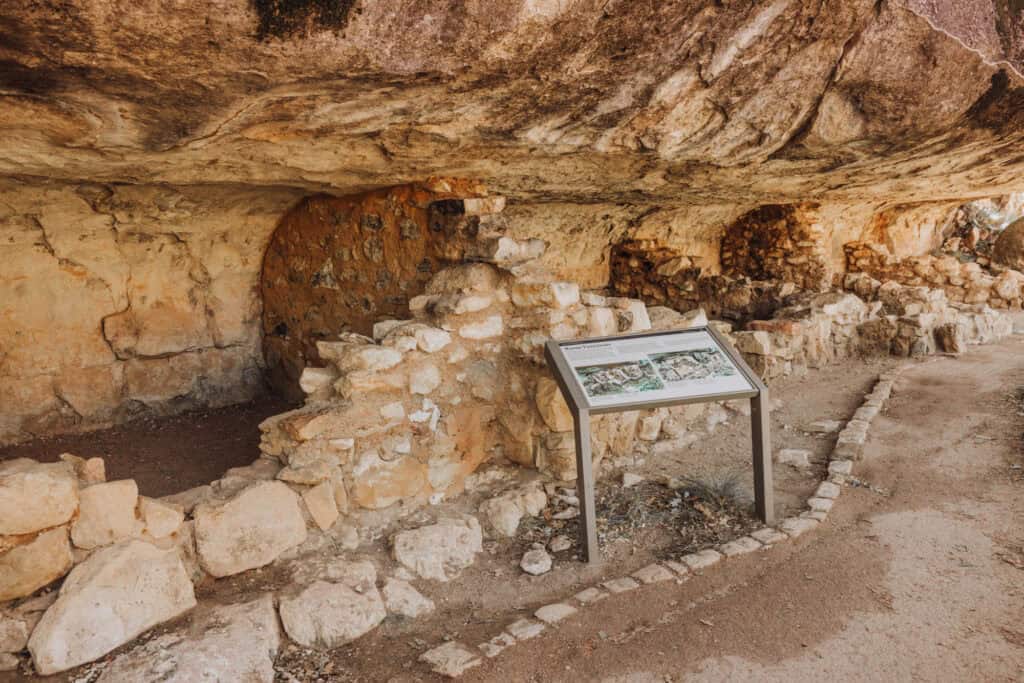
<point>587,101</point>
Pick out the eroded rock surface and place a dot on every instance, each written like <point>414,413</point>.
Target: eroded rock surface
<point>106,601</point>
<point>223,643</point>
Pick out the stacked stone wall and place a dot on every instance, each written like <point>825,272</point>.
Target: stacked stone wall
<point>964,281</point>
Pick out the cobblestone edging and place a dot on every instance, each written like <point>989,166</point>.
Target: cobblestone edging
<point>452,659</point>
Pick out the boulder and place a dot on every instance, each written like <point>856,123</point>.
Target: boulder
<point>250,530</point>
<point>439,551</point>
<point>35,495</point>
<point>1008,249</point>
<point>106,514</point>
<point>223,643</point>
<point>113,596</point>
<point>30,566</point>
<point>403,599</point>
<point>326,615</point>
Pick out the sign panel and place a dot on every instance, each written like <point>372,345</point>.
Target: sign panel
<point>668,366</point>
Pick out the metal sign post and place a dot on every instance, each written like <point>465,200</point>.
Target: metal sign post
<point>655,370</point>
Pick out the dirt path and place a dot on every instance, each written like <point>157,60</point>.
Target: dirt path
<point>922,582</point>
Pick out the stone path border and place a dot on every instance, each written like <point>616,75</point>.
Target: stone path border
<point>849,448</point>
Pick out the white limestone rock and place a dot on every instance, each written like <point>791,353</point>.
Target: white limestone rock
<point>223,643</point>
<point>250,530</point>
<point>504,512</point>
<point>326,615</point>
<point>403,599</point>
<point>439,551</point>
<point>322,504</point>
<point>35,496</point>
<point>552,614</point>
<point>314,380</point>
<point>450,660</point>
<point>106,514</point>
<point>536,562</point>
<point>28,567</point>
<point>489,327</point>
<point>117,593</point>
<point>424,379</point>
<point>159,519</point>
<point>794,457</point>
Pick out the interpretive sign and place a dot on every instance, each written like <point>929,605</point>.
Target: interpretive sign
<point>653,370</point>
<point>656,367</point>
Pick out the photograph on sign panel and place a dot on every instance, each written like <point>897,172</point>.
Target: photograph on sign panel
<point>629,377</point>
<point>693,364</point>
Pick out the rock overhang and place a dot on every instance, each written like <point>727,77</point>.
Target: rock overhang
<point>671,103</point>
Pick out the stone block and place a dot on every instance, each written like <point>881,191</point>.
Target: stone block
<point>106,514</point>
<point>450,660</point>
<point>621,585</point>
<point>250,530</point>
<point>138,586</point>
<point>27,567</point>
<point>740,546</point>
<point>702,559</point>
<point>653,573</point>
<point>327,615</point>
<point>35,496</point>
<point>552,614</point>
<point>439,551</point>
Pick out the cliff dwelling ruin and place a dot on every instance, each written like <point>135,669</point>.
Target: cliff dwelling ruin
<point>276,279</point>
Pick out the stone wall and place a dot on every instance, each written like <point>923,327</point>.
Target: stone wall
<point>963,281</point>
<point>885,319</point>
<point>117,299</point>
<point>339,264</point>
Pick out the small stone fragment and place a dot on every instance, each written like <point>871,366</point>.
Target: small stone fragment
<point>552,614</point>
<point>621,585</point>
<point>496,645</point>
<point>794,457</point>
<point>797,526</point>
<point>820,504</point>
<point>768,535</point>
<point>524,629</point>
<point>450,660</point>
<point>702,560</point>
<point>824,426</point>
<point>678,567</point>
<point>559,543</point>
<point>536,562</point>
<point>630,479</point>
<point>403,599</point>
<point>653,573</point>
<point>843,467</point>
<point>321,504</point>
<point>828,490</point>
<point>589,595</point>
<point>740,546</point>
